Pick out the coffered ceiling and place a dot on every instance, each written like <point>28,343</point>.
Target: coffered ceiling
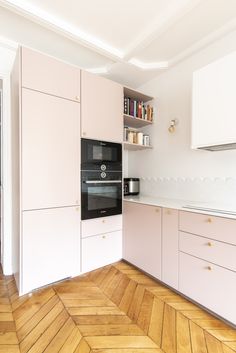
<point>135,39</point>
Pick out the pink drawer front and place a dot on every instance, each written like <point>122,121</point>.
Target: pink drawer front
<point>218,228</point>
<point>211,286</point>
<point>214,251</point>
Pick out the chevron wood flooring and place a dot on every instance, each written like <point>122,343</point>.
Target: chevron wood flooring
<point>115,309</point>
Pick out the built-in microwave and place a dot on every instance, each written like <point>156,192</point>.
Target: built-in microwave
<point>101,155</point>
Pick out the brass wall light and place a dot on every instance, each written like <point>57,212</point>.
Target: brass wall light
<point>172,126</point>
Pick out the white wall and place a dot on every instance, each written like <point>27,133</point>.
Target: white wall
<point>172,169</point>
<point>6,60</point>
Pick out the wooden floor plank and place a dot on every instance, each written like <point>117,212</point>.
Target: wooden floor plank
<point>213,345</point>
<point>128,296</point>
<point>57,342</point>
<point>72,342</point>
<point>168,343</point>
<point>35,319</point>
<point>97,342</point>
<point>145,311</point>
<point>110,330</point>
<point>197,338</point>
<point>48,335</point>
<point>183,338</point>
<point>101,320</point>
<point>156,322</point>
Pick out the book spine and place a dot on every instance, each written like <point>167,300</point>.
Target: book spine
<point>131,112</point>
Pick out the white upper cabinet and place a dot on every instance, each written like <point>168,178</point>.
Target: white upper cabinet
<point>50,151</point>
<point>101,108</point>
<point>213,105</point>
<point>46,74</point>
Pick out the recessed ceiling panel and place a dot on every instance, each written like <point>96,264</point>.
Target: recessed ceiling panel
<point>116,22</point>
<point>204,19</point>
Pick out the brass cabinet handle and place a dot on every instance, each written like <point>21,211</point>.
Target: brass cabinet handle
<point>157,210</point>
<point>103,221</point>
<point>77,98</point>
<point>209,268</point>
<point>209,220</point>
<point>103,237</point>
<point>84,133</point>
<point>168,212</point>
<point>77,209</point>
<point>209,243</point>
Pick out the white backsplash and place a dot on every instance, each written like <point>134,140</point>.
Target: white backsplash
<point>214,191</point>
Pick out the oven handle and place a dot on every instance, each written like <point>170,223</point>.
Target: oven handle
<point>102,181</point>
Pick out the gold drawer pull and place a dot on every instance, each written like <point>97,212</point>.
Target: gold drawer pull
<point>103,237</point>
<point>103,221</point>
<point>209,220</point>
<point>157,210</point>
<point>209,268</point>
<point>168,212</point>
<point>77,209</point>
<point>209,243</point>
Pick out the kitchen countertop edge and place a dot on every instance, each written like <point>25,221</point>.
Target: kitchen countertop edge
<point>174,204</point>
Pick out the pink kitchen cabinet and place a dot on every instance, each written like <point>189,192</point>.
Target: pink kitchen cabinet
<point>46,74</point>
<point>142,237</point>
<point>50,242</point>
<point>101,108</point>
<point>50,151</point>
<point>170,247</point>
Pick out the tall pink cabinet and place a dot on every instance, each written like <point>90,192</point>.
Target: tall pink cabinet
<point>46,159</point>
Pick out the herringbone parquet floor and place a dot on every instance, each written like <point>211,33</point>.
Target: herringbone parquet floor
<point>116,309</point>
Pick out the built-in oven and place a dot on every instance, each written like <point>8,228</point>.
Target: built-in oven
<point>100,155</point>
<point>101,178</point>
<point>101,194</point>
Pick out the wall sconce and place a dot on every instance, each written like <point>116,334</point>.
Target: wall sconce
<point>172,126</point>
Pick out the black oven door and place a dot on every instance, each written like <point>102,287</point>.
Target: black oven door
<point>101,155</point>
<point>101,197</point>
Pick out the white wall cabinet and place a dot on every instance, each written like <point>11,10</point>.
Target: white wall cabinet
<point>50,151</point>
<point>213,104</point>
<point>170,247</point>
<point>50,245</point>
<point>101,108</point>
<point>142,237</point>
<point>46,74</point>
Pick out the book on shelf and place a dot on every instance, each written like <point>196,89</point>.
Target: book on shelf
<point>138,109</point>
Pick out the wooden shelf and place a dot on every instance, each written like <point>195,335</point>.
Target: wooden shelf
<point>135,147</point>
<point>131,121</point>
<point>131,93</point>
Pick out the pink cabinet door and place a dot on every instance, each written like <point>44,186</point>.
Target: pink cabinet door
<point>101,108</point>
<point>170,256</point>
<point>46,74</point>
<point>142,237</point>
<point>50,246</point>
<point>210,285</point>
<point>50,151</point>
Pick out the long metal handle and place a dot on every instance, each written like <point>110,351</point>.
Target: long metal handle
<point>103,181</point>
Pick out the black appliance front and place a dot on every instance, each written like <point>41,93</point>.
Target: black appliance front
<point>101,155</point>
<point>101,194</point>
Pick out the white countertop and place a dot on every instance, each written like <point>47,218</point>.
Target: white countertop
<point>213,209</point>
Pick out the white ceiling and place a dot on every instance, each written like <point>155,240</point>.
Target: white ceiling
<point>131,40</point>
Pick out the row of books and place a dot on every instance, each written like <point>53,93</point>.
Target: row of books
<point>138,109</point>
